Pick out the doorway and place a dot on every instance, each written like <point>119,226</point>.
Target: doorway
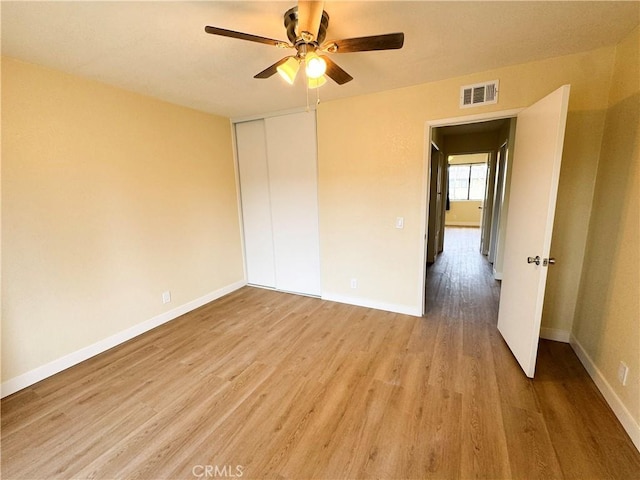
<point>468,173</point>
<point>528,222</point>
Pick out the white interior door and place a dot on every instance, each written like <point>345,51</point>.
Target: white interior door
<point>256,203</point>
<point>534,185</point>
<point>292,153</point>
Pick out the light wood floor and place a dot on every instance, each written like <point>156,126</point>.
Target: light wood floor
<point>271,385</point>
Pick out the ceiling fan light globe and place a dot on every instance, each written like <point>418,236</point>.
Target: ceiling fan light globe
<point>316,82</point>
<point>289,69</point>
<point>315,66</point>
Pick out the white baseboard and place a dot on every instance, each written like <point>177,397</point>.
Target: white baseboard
<point>40,373</point>
<point>630,425</point>
<point>555,334</point>
<point>497,275</point>
<point>365,302</point>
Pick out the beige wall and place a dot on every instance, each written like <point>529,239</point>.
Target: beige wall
<point>464,213</point>
<point>371,159</point>
<point>109,198</point>
<point>607,319</point>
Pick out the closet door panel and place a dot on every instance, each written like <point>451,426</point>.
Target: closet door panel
<point>292,159</point>
<point>256,204</point>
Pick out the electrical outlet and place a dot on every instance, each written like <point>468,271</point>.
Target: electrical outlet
<point>354,283</point>
<point>399,222</point>
<point>623,372</point>
<point>166,296</point>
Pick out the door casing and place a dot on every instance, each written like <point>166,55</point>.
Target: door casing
<point>426,178</point>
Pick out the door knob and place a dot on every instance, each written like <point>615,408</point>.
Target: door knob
<point>535,259</point>
<point>548,261</point>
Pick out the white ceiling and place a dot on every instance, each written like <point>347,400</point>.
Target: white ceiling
<point>160,48</point>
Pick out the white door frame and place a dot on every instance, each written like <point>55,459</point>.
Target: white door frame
<point>426,175</point>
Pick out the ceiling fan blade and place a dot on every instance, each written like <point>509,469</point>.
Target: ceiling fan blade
<point>389,41</point>
<point>336,73</point>
<point>245,36</point>
<point>267,72</point>
<point>309,16</point>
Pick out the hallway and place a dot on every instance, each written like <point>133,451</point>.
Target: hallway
<point>556,425</point>
<point>460,272</point>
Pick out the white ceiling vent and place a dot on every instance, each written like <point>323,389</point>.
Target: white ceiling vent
<point>484,93</point>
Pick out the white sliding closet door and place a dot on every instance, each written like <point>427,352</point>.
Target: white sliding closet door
<point>256,203</point>
<point>277,160</point>
<point>292,156</point>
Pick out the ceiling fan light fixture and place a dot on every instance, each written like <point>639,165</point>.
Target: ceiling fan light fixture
<point>315,66</point>
<point>289,69</point>
<point>316,82</point>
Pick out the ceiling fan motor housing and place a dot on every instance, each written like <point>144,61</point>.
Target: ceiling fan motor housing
<point>291,24</point>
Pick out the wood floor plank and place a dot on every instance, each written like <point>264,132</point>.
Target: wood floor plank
<point>515,388</point>
<point>279,386</point>
<point>286,426</point>
<point>318,440</point>
<point>57,463</point>
<point>587,438</point>
<point>134,455</point>
<point>446,366</point>
<point>484,444</point>
<point>531,453</point>
<point>434,447</point>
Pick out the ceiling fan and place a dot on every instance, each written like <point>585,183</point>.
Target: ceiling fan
<point>306,26</point>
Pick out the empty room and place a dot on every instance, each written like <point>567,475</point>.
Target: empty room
<point>320,240</point>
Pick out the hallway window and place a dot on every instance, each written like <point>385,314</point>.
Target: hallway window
<point>467,181</point>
